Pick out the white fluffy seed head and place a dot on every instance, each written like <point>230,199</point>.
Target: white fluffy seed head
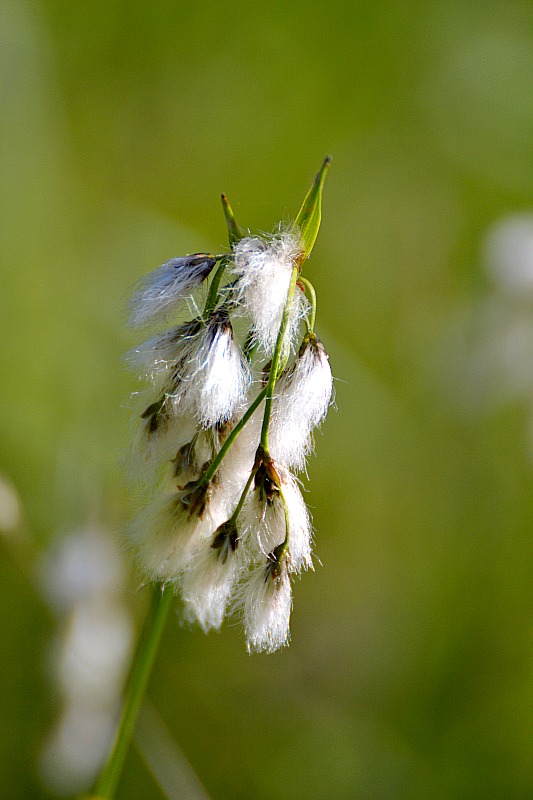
<point>199,366</point>
<point>226,375</point>
<point>267,604</point>
<point>166,536</point>
<point>161,355</point>
<point>159,293</point>
<point>200,382</point>
<point>265,523</point>
<point>263,267</point>
<point>157,437</point>
<point>303,396</point>
<point>210,579</point>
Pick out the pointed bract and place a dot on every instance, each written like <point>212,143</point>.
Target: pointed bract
<point>235,232</point>
<point>310,214</point>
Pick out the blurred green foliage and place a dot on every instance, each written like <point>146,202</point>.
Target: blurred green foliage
<point>410,674</point>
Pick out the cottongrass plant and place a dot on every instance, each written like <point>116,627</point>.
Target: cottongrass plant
<point>229,417</point>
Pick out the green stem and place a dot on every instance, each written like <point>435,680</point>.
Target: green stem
<point>276,359</point>
<point>215,464</point>
<point>287,520</point>
<point>140,674</point>
<point>310,289</point>
<point>242,498</point>
<point>213,289</point>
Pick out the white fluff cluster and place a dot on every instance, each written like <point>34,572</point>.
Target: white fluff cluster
<point>211,578</point>
<point>264,521</point>
<point>267,608</point>
<point>158,293</point>
<point>199,367</point>
<point>168,534</point>
<point>228,526</point>
<point>263,268</point>
<point>303,396</point>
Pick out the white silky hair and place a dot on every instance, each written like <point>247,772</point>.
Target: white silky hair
<point>157,357</point>
<point>200,366</point>
<point>303,395</point>
<point>265,527</point>
<point>208,584</point>
<point>159,293</point>
<point>239,461</point>
<point>266,608</point>
<point>165,537</point>
<point>263,267</point>
<point>225,377</point>
<point>152,451</point>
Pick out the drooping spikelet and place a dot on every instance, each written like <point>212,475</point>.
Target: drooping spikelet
<point>198,367</point>
<point>159,293</point>
<point>303,396</point>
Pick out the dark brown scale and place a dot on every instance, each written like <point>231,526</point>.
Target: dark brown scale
<point>196,260</point>
<point>225,540</point>
<point>224,428</point>
<point>196,497</point>
<point>154,409</point>
<point>276,564</point>
<point>220,319</point>
<point>185,461</point>
<point>153,424</point>
<point>267,480</point>
<point>156,414</point>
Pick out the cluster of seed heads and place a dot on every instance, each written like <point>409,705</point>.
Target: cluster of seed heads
<point>234,396</point>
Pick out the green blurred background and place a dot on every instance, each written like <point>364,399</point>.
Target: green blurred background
<point>410,673</point>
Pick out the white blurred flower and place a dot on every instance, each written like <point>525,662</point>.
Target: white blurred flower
<point>83,580</point>
<point>489,353</point>
<point>509,255</point>
<point>76,748</point>
<point>10,510</point>
<point>95,651</point>
<point>85,564</point>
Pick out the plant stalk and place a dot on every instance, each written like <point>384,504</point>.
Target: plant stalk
<point>140,674</point>
<point>310,289</point>
<point>215,464</point>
